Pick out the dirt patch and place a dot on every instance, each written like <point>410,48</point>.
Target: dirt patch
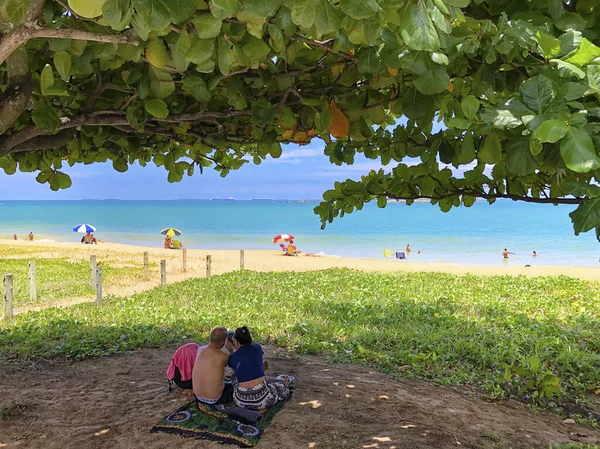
<point>112,402</point>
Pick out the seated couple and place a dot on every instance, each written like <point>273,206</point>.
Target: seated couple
<point>89,239</point>
<point>173,244</point>
<point>250,388</point>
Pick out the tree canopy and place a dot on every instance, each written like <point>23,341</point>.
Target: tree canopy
<point>191,84</point>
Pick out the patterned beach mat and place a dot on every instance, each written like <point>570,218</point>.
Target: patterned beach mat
<point>210,422</point>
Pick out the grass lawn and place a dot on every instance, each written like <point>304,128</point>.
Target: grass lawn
<point>58,279</point>
<point>504,334</point>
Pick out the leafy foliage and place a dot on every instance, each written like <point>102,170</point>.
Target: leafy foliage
<point>451,329</point>
<point>186,84</point>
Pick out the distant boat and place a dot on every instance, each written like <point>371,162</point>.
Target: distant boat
<point>224,199</point>
<point>261,199</point>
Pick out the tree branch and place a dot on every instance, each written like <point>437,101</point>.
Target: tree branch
<point>324,46</point>
<point>13,40</point>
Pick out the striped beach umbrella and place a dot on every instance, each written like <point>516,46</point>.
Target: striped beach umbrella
<point>281,238</point>
<point>84,228</point>
<point>170,232</point>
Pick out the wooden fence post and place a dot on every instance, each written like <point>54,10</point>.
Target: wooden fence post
<point>98,285</point>
<point>146,276</point>
<point>8,296</point>
<point>241,259</point>
<point>163,272</point>
<point>184,260</point>
<point>93,267</point>
<point>32,283</point>
<point>208,263</point>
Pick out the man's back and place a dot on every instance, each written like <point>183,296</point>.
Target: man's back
<point>208,373</point>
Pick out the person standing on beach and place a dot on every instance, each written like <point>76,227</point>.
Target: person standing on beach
<point>505,253</point>
<point>534,254</point>
<point>408,249</point>
<point>30,236</point>
<point>208,375</point>
<point>14,236</point>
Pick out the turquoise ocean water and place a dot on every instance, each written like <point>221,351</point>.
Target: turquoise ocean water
<point>473,236</point>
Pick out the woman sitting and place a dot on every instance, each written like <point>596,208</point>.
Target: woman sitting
<point>253,390</point>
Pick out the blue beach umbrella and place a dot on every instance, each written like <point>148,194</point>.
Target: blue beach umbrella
<point>84,228</point>
<point>170,232</point>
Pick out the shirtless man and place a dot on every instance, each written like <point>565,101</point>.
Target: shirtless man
<point>209,370</point>
<point>505,253</point>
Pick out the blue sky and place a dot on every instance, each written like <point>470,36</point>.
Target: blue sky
<point>301,173</point>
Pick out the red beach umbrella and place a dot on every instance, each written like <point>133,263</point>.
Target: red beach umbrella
<point>281,238</point>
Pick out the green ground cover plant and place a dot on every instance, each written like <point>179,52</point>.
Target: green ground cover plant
<point>450,329</point>
<point>59,279</point>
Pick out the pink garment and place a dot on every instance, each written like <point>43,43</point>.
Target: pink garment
<point>184,359</point>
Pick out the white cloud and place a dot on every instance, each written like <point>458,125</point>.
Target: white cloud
<point>295,156</point>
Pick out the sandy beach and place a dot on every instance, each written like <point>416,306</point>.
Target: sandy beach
<point>269,260</point>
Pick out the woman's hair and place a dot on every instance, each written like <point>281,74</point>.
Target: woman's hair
<point>242,335</point>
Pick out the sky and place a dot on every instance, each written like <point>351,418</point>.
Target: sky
<point>302,172</point>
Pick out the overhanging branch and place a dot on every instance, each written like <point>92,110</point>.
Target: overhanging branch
<point>11,41</point>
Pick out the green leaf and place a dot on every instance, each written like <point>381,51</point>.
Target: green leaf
<point>568,70</point>
<point>417,106</point>
<point>586,53</point>
<point>202,51</point>
<point>275,150</point>
<point>328,18</point>
<point>262,112</point>
<point>62,62</point>
<point>14,11</point>
<point>156,107</point>
<point>46,79</point>
<point>88,9</point>
<point>304,12</point>
<point>580,188</point>
<point>114,11</point>
<point>181,10</point>
<point>418,31</point>
<point>195,86</point>
<point>359,9</point>
<point>551,131</point>
<point>156,53</point>
<point>491,151</point>
<point>179,51</point>
<point>467,150</point>
<point>577,151</point>
<point>207,26</point>
<point>549,44</point>
<point>433,80</point>
<point>151,14</point>
<point>256,50</point>
<point>64,181</point>
<point>161,83</point>
<point>469,106</point>
<point>537,93</point>
<point>261,8</point>
<point>507,115</point>
<point>535,146</point>
<point>368,61</point>
<point>586,216</point>
<point>593,77</point>
<point>276,41</point>
<point>381,201</point>
<point>224,59</point>
<point>459,3</point>
<point>44,116</point>
<point>223,9</point>
<point>518,158</point>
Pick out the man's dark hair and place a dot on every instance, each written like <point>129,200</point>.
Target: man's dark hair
<point>242,335</point>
